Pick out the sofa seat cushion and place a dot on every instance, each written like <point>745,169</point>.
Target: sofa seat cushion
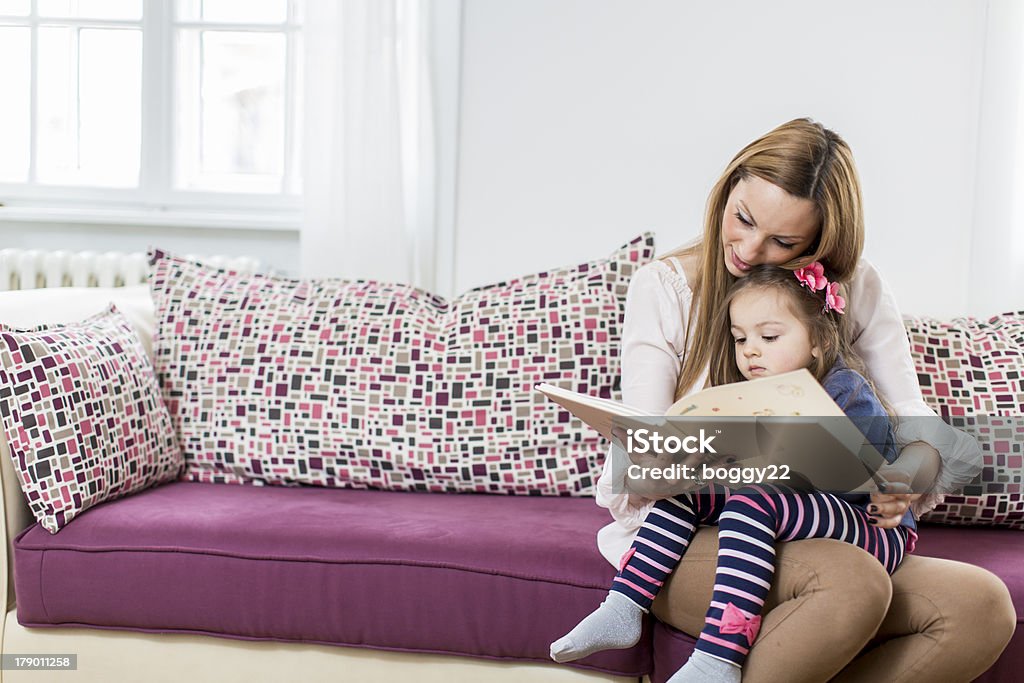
<point>479,575</point>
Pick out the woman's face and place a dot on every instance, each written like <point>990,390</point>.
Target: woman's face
<point>764,224</point>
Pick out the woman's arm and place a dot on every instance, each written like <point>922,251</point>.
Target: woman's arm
<point>657,306</point>
<point>880,339</point>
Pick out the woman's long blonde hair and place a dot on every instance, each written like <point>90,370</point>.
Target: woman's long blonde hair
<point>806,160</point>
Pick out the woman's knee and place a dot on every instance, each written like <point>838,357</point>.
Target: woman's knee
<point>978,609</point>
<point>852,582</point>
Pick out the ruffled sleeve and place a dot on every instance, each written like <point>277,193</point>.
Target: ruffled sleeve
<point>880,339</point>
<point>653,337</point>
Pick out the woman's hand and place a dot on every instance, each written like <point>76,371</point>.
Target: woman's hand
<point>887,509</point>
<point>914,470</point>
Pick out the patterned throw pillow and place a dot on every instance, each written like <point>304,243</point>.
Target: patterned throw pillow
<point>971,371</point>
<point>369,384</point>
<point>83,417</point>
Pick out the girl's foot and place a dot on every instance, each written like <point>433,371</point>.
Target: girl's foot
<point>703,668</point>
<point>616,624</point>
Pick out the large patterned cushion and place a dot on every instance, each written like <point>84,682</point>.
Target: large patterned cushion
<point>369,384</point>
<point>970,372</point>
<point>82,414</point>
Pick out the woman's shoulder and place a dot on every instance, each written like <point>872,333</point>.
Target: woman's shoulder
<point>663,277</point>
<point>866,275</point>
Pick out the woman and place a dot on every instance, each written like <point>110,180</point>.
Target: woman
<point>790,198</point>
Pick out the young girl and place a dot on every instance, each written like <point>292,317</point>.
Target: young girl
<point>777,320</point>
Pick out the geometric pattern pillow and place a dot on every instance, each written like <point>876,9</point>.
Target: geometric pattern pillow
<point>971,372</point>
<point>371,384</point>
<point>82,413</point>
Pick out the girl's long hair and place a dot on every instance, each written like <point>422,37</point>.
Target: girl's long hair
<point>826,329</point>
<point>806,160</point>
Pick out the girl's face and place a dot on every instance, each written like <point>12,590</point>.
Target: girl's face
<point>769,339</point>
<point>765,224</point>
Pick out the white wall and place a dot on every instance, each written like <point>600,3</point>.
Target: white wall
<point>584,122</point>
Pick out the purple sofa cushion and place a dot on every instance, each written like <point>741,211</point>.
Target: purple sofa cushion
<point>479,575</point>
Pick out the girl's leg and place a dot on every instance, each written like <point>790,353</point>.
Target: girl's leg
<point>801,638</point>
<point>753,519</point>
<point>662,541</point>
<point>659,545</point>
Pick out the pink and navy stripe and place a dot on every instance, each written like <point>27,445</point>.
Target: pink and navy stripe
<point>750,520</point>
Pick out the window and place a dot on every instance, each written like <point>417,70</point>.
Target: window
<point>173,106</point>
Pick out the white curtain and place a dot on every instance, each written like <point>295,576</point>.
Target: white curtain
<point>370,146</point>
<point>997,242</point>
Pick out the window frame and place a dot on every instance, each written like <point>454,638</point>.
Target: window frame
<point>155,201</point>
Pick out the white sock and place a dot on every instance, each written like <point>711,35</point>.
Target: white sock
<point>616,624</point>
<point>703,668</point>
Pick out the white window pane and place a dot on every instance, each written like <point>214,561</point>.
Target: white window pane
<point>89,106</point>
<point>232,131</point>
<point>110,94</point>
<point>92,9</point>
<point>297,147</point>
<point>16,8</point>
<point>250,11</point>
<point>15,56</point>
<point>57,122</point>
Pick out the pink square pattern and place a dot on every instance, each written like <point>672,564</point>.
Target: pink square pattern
<point>970,371</point>
<point>376,385</point>
<point>82,414</point>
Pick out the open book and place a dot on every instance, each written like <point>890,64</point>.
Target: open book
<point>790,420</point>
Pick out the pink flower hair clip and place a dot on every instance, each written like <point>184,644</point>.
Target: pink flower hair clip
<point>812,276</point>
<point>833,302</point>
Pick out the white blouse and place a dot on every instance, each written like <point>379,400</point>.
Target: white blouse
<point>657,310</point>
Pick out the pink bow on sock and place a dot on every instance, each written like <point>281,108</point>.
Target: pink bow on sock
<point>625,558</point>
<point>733,621</point>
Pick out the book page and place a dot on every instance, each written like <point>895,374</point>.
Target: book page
<point>792,394</point>
<point>596,412</point>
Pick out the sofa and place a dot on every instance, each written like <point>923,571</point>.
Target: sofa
<point>201,580</point>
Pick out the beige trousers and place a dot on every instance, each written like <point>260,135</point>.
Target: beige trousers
<point>933,620</point>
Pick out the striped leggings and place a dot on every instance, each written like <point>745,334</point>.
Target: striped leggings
<point>750,521</point>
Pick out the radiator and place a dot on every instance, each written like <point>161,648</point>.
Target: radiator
<point>34,269</point>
